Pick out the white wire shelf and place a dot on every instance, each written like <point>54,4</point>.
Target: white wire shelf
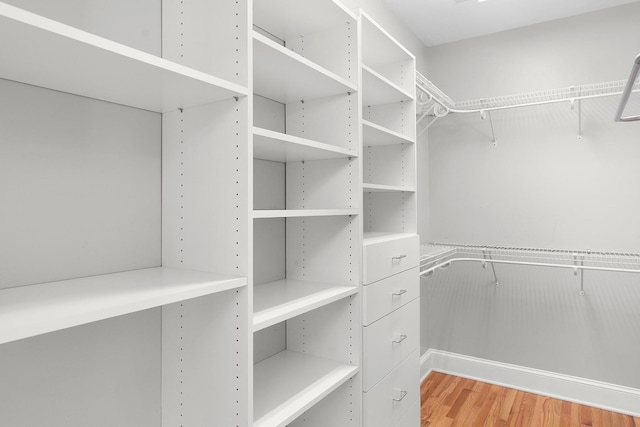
<point>432,94</point>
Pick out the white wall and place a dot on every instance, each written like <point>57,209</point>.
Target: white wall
<point>540,187</point>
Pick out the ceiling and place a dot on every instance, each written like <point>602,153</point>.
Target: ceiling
<point>442,21</point>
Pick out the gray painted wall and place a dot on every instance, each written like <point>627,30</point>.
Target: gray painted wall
<point>540,187</point>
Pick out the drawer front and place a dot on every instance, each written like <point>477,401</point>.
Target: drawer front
<point>389,294</point>
<point>388,402</point>
<point>411,418</point>
<point>391,257</point>
<point>389,341</point>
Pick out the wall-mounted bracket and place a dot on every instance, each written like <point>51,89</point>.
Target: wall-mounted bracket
<point>484,114</point>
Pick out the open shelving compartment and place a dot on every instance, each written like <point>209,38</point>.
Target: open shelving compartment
<point>388,133</point>
<point>306,214</point>
<point>126,241</point>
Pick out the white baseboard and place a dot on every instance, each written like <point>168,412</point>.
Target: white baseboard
<point>598,394</point>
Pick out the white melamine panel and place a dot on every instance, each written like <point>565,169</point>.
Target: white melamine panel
<point>390,212</point>
<point>283,299</point>
<point>279,147</point>
<point>332,120</point>
<point>211,36</point>
<point>290,18</point>
<point>287,384</point>
<point>379,48</point>
<point>324,249</point>
<point>397,117</point>
<point>136,24</point>
<point>388,341</point>
<point>397,393</point>
<point>390,165</point>
<point>331,331</point>
<point>323,184</point>
<point>380,188</point>
<point>300,213</point>
<point>384,296</point>
<point>340,408</point>
<point>377,89</point>
<point>81,63</point>
<point>269,341</point>
<point>334,49</point>
<point>205,189</point>
<point>268,185</point>
<point>103,374</point>
<point>268,114</point>
<point>36,309</point>
<point>373,134</point>
<point>80,186</point>
<point>205,361</point>
<point>411,418</point>
<point>269,250</point>
<point>402,74</point>
<point>285,76</point>
<point>383,258</point>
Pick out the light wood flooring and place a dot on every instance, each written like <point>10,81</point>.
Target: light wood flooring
<point>450,401</point>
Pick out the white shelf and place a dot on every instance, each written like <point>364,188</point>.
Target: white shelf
<point>42,52</point>
<point>289,383</point>
<point>281,300</point>
<point>378,90</point>
<point>374,237</point>
<point>379,48</point>
<point>284,76</point>
<point>380,188</point>
<point>376,135</point>
<point>296,18</point>
<point>298,213</point>
<point>37,309</point>
<point>280,147</point>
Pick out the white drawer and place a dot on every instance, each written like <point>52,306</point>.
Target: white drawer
<point>389,341</point>
<point>397,393</point>
<point>385,257</point>
<point>389,294</point>
<point>411,418</point>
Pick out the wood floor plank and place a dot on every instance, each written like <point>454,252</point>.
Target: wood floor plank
<point>449,401</point>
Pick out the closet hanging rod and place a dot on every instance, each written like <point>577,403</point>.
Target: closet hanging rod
<point>627,92</point>
<point>448,262</point>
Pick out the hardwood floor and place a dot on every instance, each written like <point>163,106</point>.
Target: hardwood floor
<point>449,401</point>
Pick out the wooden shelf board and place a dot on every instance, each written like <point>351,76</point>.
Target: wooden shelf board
<point>284,76</point>
<point>296,18</point>
<point>378,90</point>
<point>380,188</point>
<point>375,135</point>
<point>52,55</point>
<point>373,237</point>
<point>280,147</point>
<point>289,383</point>
<point>298,213</point>
<point>283,299</point>
<point>27,311</point>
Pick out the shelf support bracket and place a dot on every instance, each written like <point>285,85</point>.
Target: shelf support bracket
<point>486,255</point>
<point>484,114</point>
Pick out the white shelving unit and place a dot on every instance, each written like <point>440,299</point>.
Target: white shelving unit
<point>390,243</point>
<point>306,213</point>
<point>117,138</point>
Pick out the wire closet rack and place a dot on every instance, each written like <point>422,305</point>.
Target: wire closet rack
<point>433,103</point>
<point>437,256</point>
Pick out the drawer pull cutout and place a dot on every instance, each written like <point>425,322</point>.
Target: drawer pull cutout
<point>398,257</point>
<point>400,339</point>
<point>399,292</point>
<point>402,394</point>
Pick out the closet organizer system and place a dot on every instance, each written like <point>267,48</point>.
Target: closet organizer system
<point>434,104</point>
<point>209,216</point>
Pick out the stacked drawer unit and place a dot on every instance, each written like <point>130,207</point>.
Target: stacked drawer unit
<point>391,333</point>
